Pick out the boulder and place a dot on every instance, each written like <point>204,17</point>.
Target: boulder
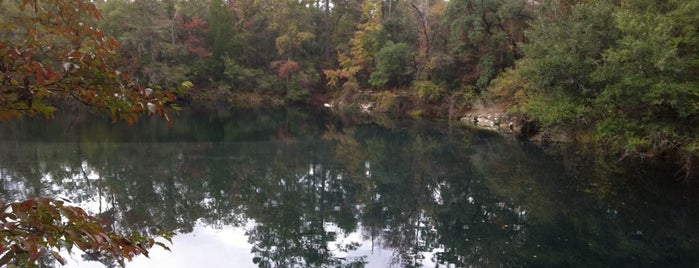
<point>493,121</point>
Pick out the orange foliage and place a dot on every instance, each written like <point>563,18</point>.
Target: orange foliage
<point>55,50</point>
<point>363,46</point>
<point>286,68</point>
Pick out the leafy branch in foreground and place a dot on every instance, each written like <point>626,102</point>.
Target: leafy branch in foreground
<point>33,228</point>
<point>53,50</point>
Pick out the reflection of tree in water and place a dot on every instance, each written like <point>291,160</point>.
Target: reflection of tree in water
<point>463,199</point>
<point>423,191</point>
<point>295,200</point>
<point>578,214</point>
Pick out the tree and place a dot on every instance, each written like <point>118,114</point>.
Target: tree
<point>162,43</point>
<point>287,21</point>
<point>221,31</point>
<point>46,57</point>
<point>561,56</point>
<point>623,74</point>
<point>363,46</point>
<point>393,66</point>
<point>52,51</point>
<point>486,35</point>
<point>651,77</point>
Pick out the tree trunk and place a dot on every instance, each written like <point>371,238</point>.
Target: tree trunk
<point>328,32</point>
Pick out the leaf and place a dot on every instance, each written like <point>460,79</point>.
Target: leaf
<point>143,251</point>
<point>7,257</point>
<point>162,245</point>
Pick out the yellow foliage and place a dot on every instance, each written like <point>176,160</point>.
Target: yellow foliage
<point>363,45</point>
<point>510,87</point>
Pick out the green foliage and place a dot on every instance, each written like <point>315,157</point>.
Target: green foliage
<point>650,101</point>
<point>556,110</point>
<point>429,91</point>
<point>378,79</point>
<point>564,52</point>
<point>291,41</point>
<point>242,78</point>
<point>36,227</point>
<point>298,95</point>
<point>160,43</point>
<point>486,71</point>
<point>393,66</point>
<point>221,36</point>
<point>562,55</point>
<point>510,88</point>
<point>387,102</point>
<point>627,72</point>
<point>399,24</point>
<point>416,113</point>
<point>485,36</point>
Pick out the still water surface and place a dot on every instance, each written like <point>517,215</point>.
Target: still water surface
<point>294,188</point>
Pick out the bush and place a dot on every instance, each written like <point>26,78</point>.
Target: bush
<point>510,88</point>
<point>387,102</point>
<point>392,66</point>
<point>248,79</point>
<point>298,95</point>
<point>429,91</point>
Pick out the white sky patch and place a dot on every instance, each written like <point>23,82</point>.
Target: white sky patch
<point>205,246</point>
<point>437,193</point>
<point>367,166</point>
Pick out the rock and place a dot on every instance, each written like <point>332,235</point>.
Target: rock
<point>366,107</point>
<point>493,121</point>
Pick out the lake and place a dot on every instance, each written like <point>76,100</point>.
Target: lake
<point>301,188</point>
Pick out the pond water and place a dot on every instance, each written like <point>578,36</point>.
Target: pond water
<point>296,188</point>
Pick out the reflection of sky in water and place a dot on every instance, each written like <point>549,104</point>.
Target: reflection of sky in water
<point>207,246</point>
<point>203,247</point>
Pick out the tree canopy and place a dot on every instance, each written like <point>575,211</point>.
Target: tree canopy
<point>623,74</point>
<point>53,51</point>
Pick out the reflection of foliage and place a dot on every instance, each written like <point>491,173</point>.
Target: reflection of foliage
<point>300,185</point>
<point>35,227</point>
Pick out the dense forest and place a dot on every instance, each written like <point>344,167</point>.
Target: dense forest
<point>619,75</point>
<point>623,75</point>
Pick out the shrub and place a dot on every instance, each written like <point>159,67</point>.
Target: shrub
<point>429,91</point>
<point>392,66</point>
<point>387,102</point>
<point>509,88</point>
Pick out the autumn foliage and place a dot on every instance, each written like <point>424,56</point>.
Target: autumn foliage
<point>286,68</point>
<point>52,50</point>
<point>193,30</point>
<point>363,46</point>
<point>32,228</point>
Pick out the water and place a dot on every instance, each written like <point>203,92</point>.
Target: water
<point>294,188</point>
